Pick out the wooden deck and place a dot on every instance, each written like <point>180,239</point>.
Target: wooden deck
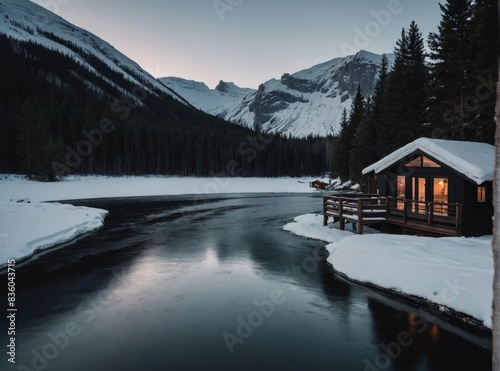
<point>358,209</point>
<point>412,216</point>
<point>432,217</point>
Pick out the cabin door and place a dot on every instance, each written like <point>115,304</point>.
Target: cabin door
<point>440,195</point>
<point>419,195</point>
<point>430,190</point>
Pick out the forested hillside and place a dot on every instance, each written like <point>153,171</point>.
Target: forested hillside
<point>58,117</point>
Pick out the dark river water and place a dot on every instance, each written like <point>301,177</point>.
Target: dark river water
<point>196,283</point>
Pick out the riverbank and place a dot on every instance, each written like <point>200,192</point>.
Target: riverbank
<point>28,224</point>
<point>454,273</point>
<point>26,228</point>
<point>84,187</point>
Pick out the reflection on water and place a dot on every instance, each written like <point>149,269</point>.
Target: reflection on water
<point>410,342</point>
<point>215,283</point>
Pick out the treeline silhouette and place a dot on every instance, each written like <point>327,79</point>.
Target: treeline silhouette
<point>57,116</point>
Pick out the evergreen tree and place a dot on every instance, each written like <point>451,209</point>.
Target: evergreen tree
<point>363,152</point>
<point>343,160</point>
<point>401,53</point>
<point>417,77</point>
<point>480,107</point>
<point>340,148</point>
<point>451,55</point>
<point>28,140</point>
<point>394,112</point>
<point>4,134</point>
<point>378,107</point>
<point>357,111</point>
<point>417,69</point>
<point>404,103</point>
<point>36,147</point>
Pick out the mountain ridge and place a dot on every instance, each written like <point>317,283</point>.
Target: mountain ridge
<point>25,21</point>
<point>307,102</point>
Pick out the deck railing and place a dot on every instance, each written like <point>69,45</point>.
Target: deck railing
<point>437,215</point>
<point>358,209</point>
<point>364,209</point>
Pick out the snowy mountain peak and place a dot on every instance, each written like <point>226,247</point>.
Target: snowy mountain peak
<point>185,84</point>
<point>310,101</point>
<point>369,56</point>
<point>202,97</point>
<point>230,88</point>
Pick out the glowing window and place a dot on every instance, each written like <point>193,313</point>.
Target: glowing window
<point>441,196</point>
<point>422,161</point>
<point>401,188</point>
<point>481,194</point>
<point>415,163</point>
<point>401,191</point>
<point>426,162</point>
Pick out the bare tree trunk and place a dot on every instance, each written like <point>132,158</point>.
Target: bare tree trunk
<point>496,232</point>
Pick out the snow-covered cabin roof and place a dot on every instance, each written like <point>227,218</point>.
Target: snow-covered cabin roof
<point>476,161</point>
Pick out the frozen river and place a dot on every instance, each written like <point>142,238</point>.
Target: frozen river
<point>197,283</point>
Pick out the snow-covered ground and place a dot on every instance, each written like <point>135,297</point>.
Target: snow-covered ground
<point>84,187</point>
<point>28,227</point>
<point>28,224</point>
<point>452,272</point>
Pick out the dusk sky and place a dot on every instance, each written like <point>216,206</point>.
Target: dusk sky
<point>244,41</point>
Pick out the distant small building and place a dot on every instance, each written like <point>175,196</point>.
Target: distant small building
<point>433,185</point>
<point>318,184</point>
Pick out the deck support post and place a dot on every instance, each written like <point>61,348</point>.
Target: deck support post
<point>341,213</point>
<point>405,212</point>
<point>360,216</point>
<point>458,212</point>
<point>325,215</point>
<point>430,215</point>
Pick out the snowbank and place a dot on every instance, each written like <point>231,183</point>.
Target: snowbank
<point>311,226</point>
<point>84,187</point>
<point>452,272</point>
<point>26,228</point>
<point>28,225</point>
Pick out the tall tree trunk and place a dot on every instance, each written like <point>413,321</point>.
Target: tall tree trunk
<point>496,233</point>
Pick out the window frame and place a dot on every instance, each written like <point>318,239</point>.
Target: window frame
<point>423,161</point>
<point>481,194</point>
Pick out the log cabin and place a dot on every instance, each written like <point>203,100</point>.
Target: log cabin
<point>436,186</point>
<point>318,184</point>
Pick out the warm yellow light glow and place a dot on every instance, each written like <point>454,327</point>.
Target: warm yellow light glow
<point>434,332</point>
